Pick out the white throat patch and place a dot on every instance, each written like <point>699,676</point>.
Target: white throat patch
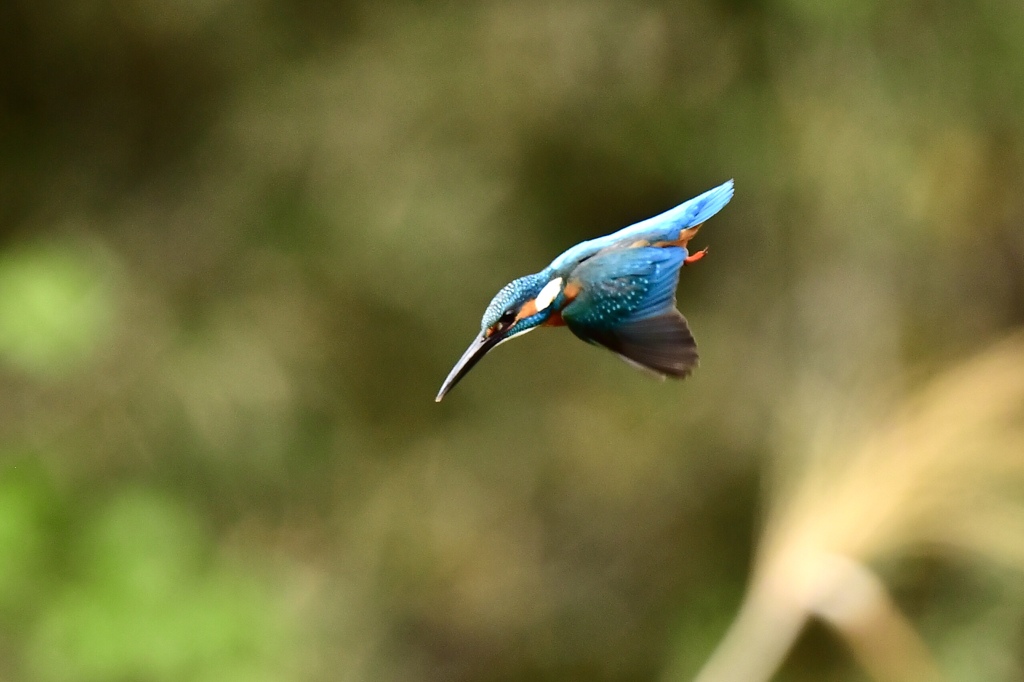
<point>548,294</point>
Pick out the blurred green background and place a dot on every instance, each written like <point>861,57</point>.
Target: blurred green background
<point>244,241</point>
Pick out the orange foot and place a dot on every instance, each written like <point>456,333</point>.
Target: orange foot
<point>689,260</point>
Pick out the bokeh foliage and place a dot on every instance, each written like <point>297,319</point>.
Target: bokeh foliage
<point>244,241</point>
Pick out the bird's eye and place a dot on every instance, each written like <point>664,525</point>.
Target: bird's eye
<point>507,317</point>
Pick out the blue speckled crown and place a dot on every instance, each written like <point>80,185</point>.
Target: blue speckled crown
<point>517,291</point>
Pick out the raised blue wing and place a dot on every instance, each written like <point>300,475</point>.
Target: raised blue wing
<point>626,303</point>
<point>663,227</point>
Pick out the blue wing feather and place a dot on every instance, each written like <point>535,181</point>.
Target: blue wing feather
<point>625,285</point>
<point>626,303</point>
<point>663,227</point>
<point>662,282</point>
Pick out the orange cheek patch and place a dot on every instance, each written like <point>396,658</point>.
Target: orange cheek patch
<point>529,308</point>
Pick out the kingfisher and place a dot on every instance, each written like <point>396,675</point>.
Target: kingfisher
<point>616,291</point>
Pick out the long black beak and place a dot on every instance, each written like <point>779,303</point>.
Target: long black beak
<point>479,348</point>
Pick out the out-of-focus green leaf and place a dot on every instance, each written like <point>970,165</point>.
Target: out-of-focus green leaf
<point>55,306</point>
<point>143,546</point>
<point>146,606</point>
<point>25,499</point>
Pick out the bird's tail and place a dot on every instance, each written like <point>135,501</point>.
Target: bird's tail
<point>688,214</point>
<point>701,208</point>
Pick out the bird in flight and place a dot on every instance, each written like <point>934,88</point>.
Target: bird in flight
<point>617,291</point>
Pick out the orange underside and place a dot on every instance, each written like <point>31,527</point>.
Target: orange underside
<point>684,237</point>
<point>555,320</point>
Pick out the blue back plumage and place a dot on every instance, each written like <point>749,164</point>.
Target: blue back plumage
<point>663,227</point>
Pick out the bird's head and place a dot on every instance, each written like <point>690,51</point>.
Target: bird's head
<point>521,306</point>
